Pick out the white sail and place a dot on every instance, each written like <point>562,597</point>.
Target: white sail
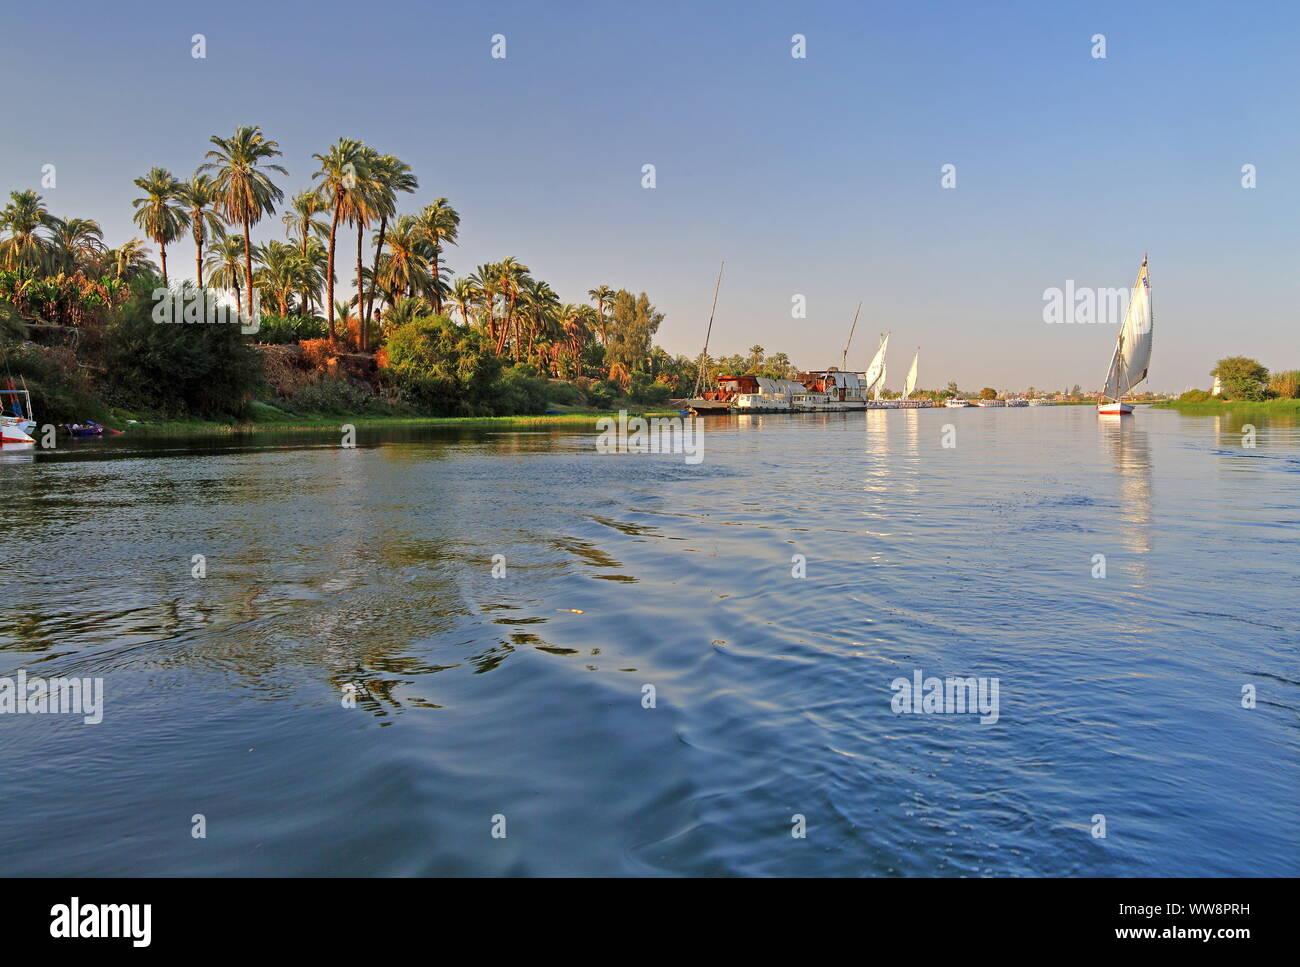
<point>911,377</point>
<point>880,383</point>
<point>1129,365</point>
<point>876,371</point>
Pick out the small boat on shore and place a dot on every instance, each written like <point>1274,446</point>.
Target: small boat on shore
<point>83,430</point>
<point>956,404</point>
<point>1132,358</point>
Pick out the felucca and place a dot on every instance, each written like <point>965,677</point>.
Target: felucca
<point>1128,366</point>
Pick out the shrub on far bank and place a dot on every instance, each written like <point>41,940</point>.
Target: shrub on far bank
<point>177,369</point>
<point>1285,384</point>
<point>277,330</point>
<point>1196,396</point>
<point>443,369</point>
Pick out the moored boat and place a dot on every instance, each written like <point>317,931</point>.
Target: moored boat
<point>955,403</point>
<point>18,426</point>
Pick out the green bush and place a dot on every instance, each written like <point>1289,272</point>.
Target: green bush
<point>1195,396</point>
<point>442,368</point>
<point>177,369</point>
<point>278,330</point>
<point>565,394</point>
<point>521,390</point>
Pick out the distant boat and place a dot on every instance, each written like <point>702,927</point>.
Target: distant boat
<point>1129,365</point>
<point>873,380</point>
<point>705,400</point>
<point>955,404</point>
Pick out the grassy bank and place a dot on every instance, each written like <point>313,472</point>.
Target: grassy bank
<point>280,422</point>
<point>1280,407</point>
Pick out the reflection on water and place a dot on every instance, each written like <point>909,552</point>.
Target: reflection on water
<point>1126,444</point>
<point>520,690</point>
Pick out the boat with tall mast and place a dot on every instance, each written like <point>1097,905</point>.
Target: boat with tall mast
<point>16,427</point>
<point>1132,358</point>
<point>708,398</point>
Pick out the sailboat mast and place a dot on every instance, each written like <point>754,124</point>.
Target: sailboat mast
<point>844,363</point>
<point>699,377</point>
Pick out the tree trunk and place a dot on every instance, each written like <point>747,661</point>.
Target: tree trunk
<point>437,291</point>
<point>374,270</point>
<point>248,263</point>
<point>162,249</point>
<point>361,294</point>
<point>329,274</point>
<point>198,261</point>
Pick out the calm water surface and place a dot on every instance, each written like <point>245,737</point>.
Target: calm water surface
<point>522,696</point>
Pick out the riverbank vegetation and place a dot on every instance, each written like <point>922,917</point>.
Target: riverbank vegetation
<point>1242,384</point>
<point>355,310</point>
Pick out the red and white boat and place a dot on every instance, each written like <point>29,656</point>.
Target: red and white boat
<point>12,433</point>
<point>16,428</point>
<point>1132,358</point>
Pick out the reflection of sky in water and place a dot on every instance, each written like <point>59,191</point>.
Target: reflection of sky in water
<point>522,695</point>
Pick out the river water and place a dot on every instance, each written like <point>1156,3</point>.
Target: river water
<point>517,704</point>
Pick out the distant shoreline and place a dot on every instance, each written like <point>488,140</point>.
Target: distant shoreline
<point>1277,407</point>
<point>308,424</point>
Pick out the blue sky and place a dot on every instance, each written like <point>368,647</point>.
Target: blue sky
<point>818,176</point>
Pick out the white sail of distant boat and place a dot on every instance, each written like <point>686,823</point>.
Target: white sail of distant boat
<point>1132,358</point>
<point>875,375</point>
<point>1218,387</point>
<point>911,377</point>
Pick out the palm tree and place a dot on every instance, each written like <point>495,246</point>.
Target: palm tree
<point>309,268</point>
<point>22,218</point>
<point>367,200</point>
<point>403,310</point>
<point>278,273</point>
<point>75,243</point>
<point>465,294</point>
<point>341,176</point>
<point>391,176</point>
<point>160,213</point>
<point>405,270</point>
<point>200,196</point>
<point>244,187</point>
<point>540,309</point>
<point>130,260</point>
<point>225,265</point>
<point>600,295</point>
<point>301,223</point>
<point>437,224</point>
<point>511,276</point>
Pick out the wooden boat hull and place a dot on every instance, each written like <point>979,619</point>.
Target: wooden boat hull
<point>1114,409</point>
<point>709,407</point>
